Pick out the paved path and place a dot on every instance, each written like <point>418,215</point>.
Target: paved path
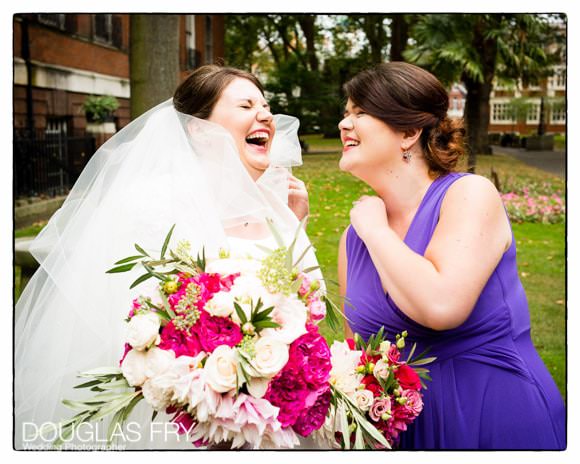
<point>553,162</point>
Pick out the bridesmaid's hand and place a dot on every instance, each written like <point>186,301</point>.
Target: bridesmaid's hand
<point>367,215</point>
<point>298,197</point>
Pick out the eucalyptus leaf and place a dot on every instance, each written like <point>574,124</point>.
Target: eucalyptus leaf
<point>129,259</point>
<point>122,268</point>
<point>166,242</point>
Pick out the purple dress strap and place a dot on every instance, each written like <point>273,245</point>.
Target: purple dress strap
<point>490,389</point>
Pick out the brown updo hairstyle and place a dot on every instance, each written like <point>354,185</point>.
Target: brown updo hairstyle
<point>407,97</point>
<point>200,91</point>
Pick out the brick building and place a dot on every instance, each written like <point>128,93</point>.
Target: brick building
<point>59,60</point>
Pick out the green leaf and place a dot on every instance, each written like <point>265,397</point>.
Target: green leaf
<point>263,314</point>
<point>266,325</point>
<point>140,280</point>
<point>240,312</point>
<point>411,352</point>
<point>166,242</point>
<point>359,442</point>
<point>422,362</point>
<point>129,259</point>
<point>116,421</point>
<point>310,269</point>
<point>302,255</point>
<point>154,415</point>
<point>141,250</point>
<point>265,249</point>
<point>275,233</point>
<point>123,268</point>
<point>344,426</point>
<point>88,384</point>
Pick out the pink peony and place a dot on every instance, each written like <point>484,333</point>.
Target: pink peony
<point>182,342</point>
<point>288,392</point>
<point>313,418</point>
<point>310,355</point>
<point>214,331</point>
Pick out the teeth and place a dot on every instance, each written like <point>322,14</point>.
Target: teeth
<point>258,135</point>
<point>351,143</point>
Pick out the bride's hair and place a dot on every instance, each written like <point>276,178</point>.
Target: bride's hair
<point>199,92</point>
<point>406,97</point>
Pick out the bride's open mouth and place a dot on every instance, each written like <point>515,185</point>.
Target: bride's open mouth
<point>258,141</point>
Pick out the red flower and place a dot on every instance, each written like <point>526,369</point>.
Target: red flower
<point>371,383</point>
<point>182,342</point>
<point>408,378</point>
<point>351,344</point>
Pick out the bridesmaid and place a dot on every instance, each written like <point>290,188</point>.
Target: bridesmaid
<point>433,253</point>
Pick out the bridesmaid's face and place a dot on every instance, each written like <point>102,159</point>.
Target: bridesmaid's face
<point>244,112</point>
<point>368,143</point>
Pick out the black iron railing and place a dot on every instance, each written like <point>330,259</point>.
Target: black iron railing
<point>48,164</point>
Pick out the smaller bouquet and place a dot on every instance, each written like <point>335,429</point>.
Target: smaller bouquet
<point>375,393</point>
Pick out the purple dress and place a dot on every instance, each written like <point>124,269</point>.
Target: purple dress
<point>490,389</point>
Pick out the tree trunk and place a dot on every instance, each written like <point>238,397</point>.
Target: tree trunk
<point>399,36</point>
<point>478,92</point>
<point>376,35</point>
<point>477,119</point>
<point>309,29</point>
<point>154,60</point>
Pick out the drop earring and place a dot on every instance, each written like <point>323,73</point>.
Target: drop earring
<point>407,155</point>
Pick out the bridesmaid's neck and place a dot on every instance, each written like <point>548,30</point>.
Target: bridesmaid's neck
<point>403,187</point>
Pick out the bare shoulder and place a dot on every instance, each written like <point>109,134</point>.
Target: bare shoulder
<point>473,191</point>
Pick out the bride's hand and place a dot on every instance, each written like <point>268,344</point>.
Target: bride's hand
<point>298,197</point>
<point>368,214</point>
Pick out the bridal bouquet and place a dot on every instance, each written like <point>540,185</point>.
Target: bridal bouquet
<point>228,347</point>
<point>375,393</point>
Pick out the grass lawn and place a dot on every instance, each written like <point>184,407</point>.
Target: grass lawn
<point>541,255</point>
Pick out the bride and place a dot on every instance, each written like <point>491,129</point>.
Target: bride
<point>214,161</point>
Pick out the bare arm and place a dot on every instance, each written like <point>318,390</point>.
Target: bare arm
<point>439,290</point>
<point>342,267</point>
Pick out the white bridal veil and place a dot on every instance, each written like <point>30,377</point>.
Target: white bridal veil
<point>164,168</point>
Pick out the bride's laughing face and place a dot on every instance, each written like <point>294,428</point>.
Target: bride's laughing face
<point>244,112</point>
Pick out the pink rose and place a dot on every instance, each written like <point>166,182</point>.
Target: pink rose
<point>380,407</point>
<point>393,354</point>
<point>414,404</point>
<point>317,309</point>
<point>214,331</point>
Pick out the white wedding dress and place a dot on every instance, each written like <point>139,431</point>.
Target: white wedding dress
<point>164,168</point>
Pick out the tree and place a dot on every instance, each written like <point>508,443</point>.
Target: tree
<point>154,60</point>
<point>476,48</point>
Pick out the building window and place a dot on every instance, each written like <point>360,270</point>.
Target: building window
<point>500,113</point>
<point>558,116</point>
<point>103,28</point>
<point>533,115</point>
<point>208,39</point>
<point>558,80</point>
<point>53,20</point>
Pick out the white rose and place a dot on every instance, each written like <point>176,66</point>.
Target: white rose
<point>158,361</point>
<point>364,399</point>
<point>133,368</point>
<point>271,356</point>
<point>291,314</point>
<point>381,370</point>
<point>158,393</point>
<point>143,330</point>
<point>221,369</point>
<point>257,387</point>
<point>221,305</point>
